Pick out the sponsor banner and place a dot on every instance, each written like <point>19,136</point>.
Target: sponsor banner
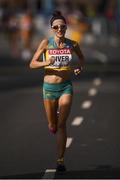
<point>59,51</point>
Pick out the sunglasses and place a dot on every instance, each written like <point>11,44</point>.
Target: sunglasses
<point>59,26</point>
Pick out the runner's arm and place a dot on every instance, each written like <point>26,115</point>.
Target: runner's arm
<point>36,62</point>
<point>77,50</point>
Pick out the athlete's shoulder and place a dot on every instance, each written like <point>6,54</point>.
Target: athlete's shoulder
<point>43,43</point>
<point>50,39</point>
<point>72,42</point>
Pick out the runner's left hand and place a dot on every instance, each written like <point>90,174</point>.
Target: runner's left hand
<point>77,71</point>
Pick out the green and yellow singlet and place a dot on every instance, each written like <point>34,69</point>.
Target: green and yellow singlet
<point>62,56</point>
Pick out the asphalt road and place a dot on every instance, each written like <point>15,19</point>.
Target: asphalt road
<point>27,150</point>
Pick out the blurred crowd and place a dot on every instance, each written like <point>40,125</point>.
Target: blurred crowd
<point>23,23</point>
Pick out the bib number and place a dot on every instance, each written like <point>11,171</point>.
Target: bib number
<point>62,57</point>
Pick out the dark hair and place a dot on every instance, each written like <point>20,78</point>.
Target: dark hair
<point>57,15</point>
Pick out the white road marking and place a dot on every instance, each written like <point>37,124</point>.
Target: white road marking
<point>92,92</point>
<point>77,121</point>
<point>69,141</point>
<point>97,81</point>
<point>86,104</point>
<point>50,170</point>
<point>49,174</point>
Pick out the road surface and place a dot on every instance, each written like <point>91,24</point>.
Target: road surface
<point>28,150</point>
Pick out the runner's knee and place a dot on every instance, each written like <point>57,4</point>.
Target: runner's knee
<point>61,125</point>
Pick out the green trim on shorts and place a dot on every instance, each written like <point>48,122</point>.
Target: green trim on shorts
<point>56,90</point>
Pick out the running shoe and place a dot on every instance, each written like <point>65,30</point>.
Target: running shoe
<point>60,165</point>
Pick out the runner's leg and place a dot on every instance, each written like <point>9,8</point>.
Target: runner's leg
<point>65,102</point>
<point>51,112</point>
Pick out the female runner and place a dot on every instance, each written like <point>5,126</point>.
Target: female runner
<point>57,54</point>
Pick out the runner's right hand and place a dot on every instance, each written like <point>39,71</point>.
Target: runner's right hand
<point>51,60</point>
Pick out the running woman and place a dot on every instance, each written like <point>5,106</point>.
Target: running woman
<point>57,54</point>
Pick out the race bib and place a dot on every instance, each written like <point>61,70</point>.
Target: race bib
<point>62,57</point>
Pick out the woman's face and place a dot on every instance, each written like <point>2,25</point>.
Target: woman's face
<point>59,27</point>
